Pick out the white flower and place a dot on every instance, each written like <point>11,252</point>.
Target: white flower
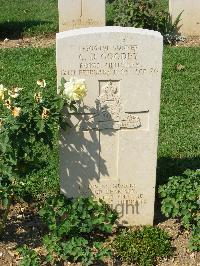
<point>75,89</point>
<point>14,93</point>
<point>41,83</point>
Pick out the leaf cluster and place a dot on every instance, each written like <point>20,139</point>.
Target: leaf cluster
<point>77,229</point>
<point>30,257</point>
<point>142,246</point>
<point>29,126</point>
<point>147,14</point>
<point>37,121</point>
<point>181,199</point>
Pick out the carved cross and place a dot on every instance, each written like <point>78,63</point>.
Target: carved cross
<point>109,119</point>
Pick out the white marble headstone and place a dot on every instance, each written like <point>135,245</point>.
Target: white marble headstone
<point>190,18</point>
<point>111,150</point>
<point>74,14</point>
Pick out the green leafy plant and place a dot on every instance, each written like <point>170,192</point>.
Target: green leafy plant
<point>140,14</point>
<point>29,257</point>
<point>77,229</point>
<point>170,29</point>
<point>194,243</point>
<point>28,119</point>
<point>181,199</point>
<point>147,14</point>
<point>143,245</point>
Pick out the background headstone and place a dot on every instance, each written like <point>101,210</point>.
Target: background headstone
<point>111,149</point>
<point>190,18</point>
<point>81,14</point>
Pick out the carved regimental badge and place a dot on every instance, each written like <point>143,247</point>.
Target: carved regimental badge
<point>110,112</point>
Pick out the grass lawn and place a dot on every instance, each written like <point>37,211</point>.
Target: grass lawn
<point>179,138</point>
<point>28,18</point>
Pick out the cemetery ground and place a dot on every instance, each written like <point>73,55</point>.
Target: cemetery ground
<point>49,40</point>
<point>179,144</point>
<point>31,35</point>
<point>27,24</point>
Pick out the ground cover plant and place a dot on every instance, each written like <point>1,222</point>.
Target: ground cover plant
<point>142,245</point>
<point>77,230</point>
<point>179,142</point>
<point>181,199</point>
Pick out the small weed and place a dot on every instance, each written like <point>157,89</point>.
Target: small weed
<point>142,246</point>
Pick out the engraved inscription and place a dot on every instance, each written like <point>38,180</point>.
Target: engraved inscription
<point>84,19</point>
<point>110,60</point>
<point>124,198</point>
<point>119,192</point>
<point>80,22</point>
<point>110,111</point>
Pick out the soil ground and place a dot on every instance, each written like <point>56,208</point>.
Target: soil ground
<point>33,42</point>
<point>50,40</point>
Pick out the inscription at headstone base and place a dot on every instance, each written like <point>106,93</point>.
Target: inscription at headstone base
<point>190,18</point>
<point>75,14</point>
<point>111,149</point>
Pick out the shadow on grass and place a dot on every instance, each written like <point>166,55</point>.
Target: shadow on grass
<point>166,168</point>
<point>16,29</point>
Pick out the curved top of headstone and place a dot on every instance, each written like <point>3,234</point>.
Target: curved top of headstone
<point>118,29</point>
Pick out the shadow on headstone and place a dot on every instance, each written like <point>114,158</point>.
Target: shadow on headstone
<point>88,149</point>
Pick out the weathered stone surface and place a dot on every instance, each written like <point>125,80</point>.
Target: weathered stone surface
<point>190,18</point>
<point>75,14</point>
<point>111,149</point>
